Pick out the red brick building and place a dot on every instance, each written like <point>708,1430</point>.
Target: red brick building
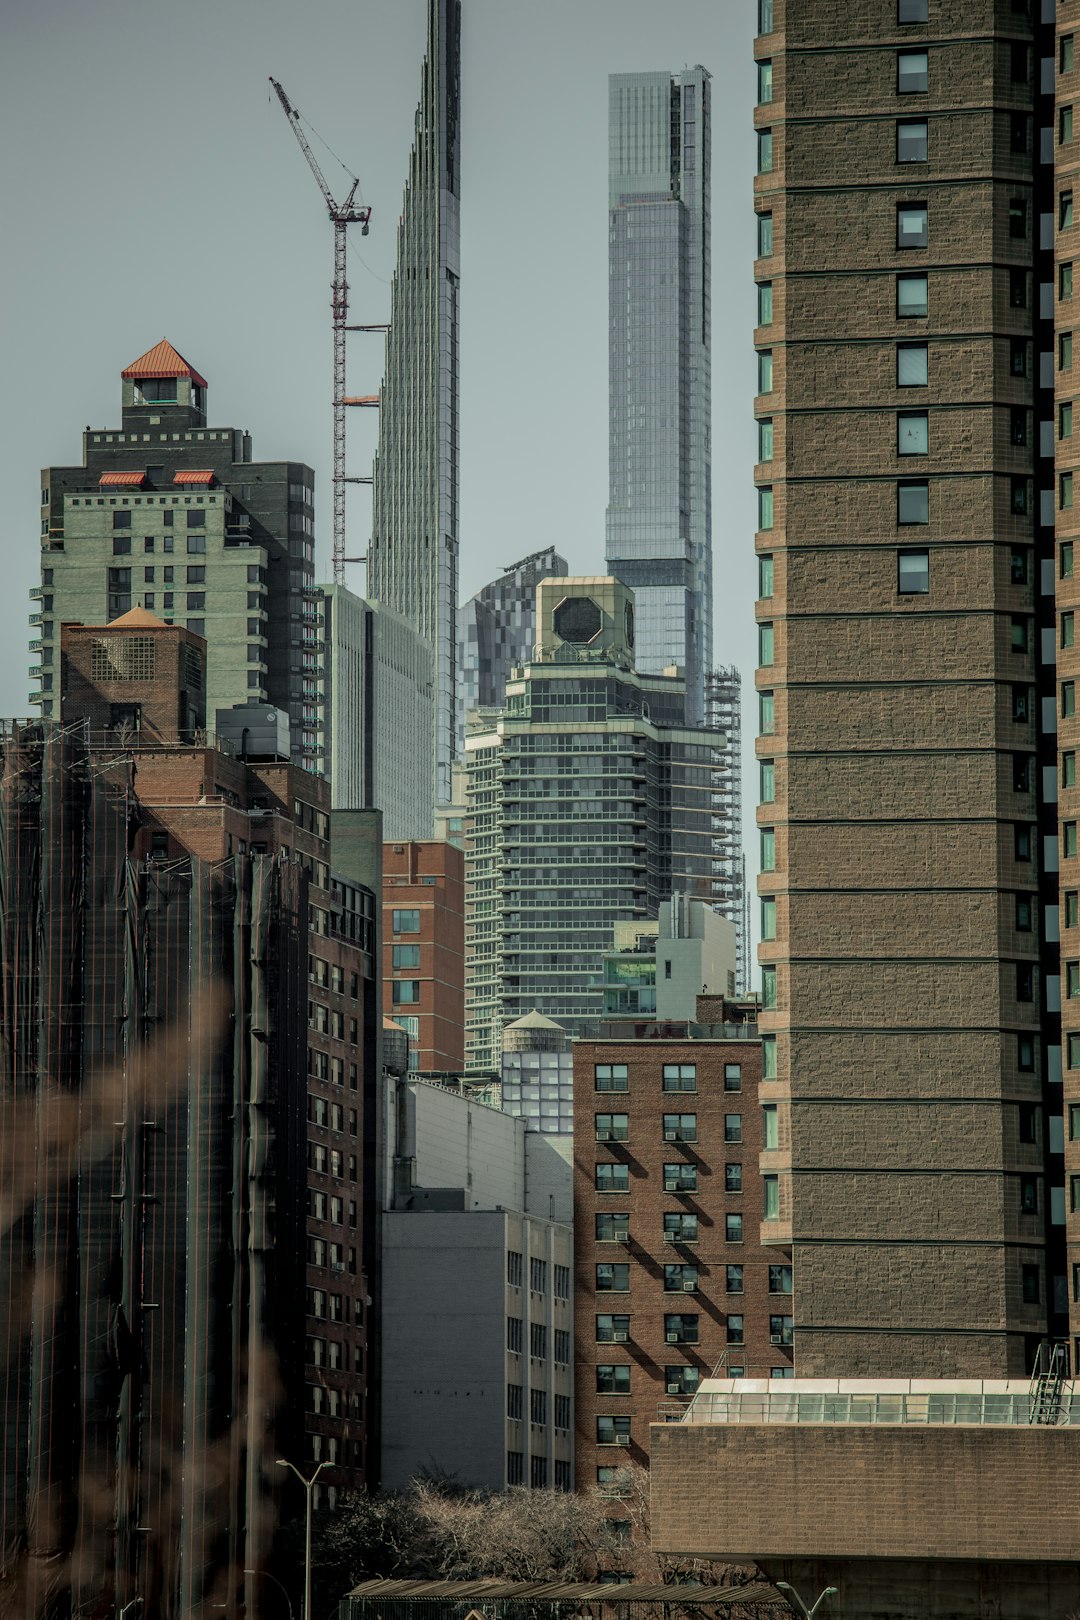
<point>671,1277</point>
<point>138,683</point>
<point>424,950</point>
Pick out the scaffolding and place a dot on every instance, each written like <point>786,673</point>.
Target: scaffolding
<point>723,710</point>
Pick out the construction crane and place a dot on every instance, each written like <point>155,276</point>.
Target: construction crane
<point>342,214</point>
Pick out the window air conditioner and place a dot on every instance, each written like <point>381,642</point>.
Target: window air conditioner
<point>674,1389</point>
<point>671,1136</point>
<point>619,1338</point>
<point>337,1265</point>
<point>672,1338</point>
<point>671,1186</point>
<point>777,1338</point>
<point>622,1439</point>
<point>689,1287</point>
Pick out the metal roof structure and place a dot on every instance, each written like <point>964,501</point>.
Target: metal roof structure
<point>163,361</point>
<point>684,1595</point>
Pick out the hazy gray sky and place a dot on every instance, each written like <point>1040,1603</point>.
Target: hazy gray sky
<point>152,188</point>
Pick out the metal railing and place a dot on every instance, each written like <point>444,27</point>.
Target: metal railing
<point>987,1408</point>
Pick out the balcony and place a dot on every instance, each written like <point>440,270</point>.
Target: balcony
<point>36,591</point>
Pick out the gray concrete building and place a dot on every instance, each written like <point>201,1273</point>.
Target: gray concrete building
<point>476,1295</point>
<point>658,969</point>
<point>171,515</point>
<point>377,713</point>
<point>413,554</point>
<point>659,518</point>
<point>589,801</point>
<point>496,631</point>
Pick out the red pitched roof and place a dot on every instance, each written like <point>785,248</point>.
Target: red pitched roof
<point>122,480</point>
<point>194,475</point>
<point>163,361</point>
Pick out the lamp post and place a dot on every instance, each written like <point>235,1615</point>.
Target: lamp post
<point>308,1484</point>
<point>262,1575</point>
<point>807,1614</point>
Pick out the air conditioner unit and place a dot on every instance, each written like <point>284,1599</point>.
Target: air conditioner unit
<point>689,1287</point>
<point>622,1439</point>
<point>671,1186</point>
<point>672,1338</point>
<point>619,1338</point>
<point>777,1338</point>
<point>671,1136</point>
<point>337,1265</point>
<point>674,1389</point>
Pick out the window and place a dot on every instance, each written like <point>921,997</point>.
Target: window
<point>538,1275</point>
<point>911,11</point>
<point>765,305</point>
<point>732,1127</point>
<point>612,1127</point>
<point>1028,1123</point>
<point>911,72</point>
<point>513,1333</point>
<point>765,576</point>
<point>1018,289</point>
<point>732,1076</point>
<point>1065,211</point>
<point>681,1380</point>
<point>764,235</point>
<point>1018,424</point>
<point>1065,126</point>
<point>766,646</point>
<point>765,508</point>
<point>1066,53</point>
<point>911,140</point>
<point>611,1077</point>
<point>764,372</point>
<point>1018,356</point>
<point>680,1178</point>
<point>912,296</point>
<point>779,1279</point>
<point>768,919</point>
<point>405,992</point>
<point>1068,699</point>
<point>612,1178</point>
<point>406,922</point>
<point>764,151</point>
<point>612,1228</point>
<point>513,1268</point>
<point>1019,133</point>
<point>735,1330</point>
<point>680,1279</point>
<point>612,1329</point>
<point>406,956</point>
<point>613,1379</point>
<point>767,779</point>
<point>912,573</point>
<point>1018,218</point>
<point>733,1228</point>
<point>769,1131</point>
<point>613,1277</point>
<point>764,83</point>
<point>1029,1194</point>
<point>1023,913</point>
<point>768,1057</point>
<point>1068,840</point>
<point>1018,564</point>
<point>680,1228</point>
<point>771,1189</point>
<point>1018,632</point>
<point>1065,490</point>
<point>538,1341</point>
<point>1072,980</point>
<point>780,1330</point>
<point>912,433</point>
<point>912,225</point>
<point>1025,982</point>
<point>681,1328</point>
<point>765,439</point>
<point>514,1401</point>
<point>1072,908</point>
<point>680,1127</point>
<point>612,1431</point>
<point>912,365</point>
<point>562,1346</point>
<point>768,987</point>
<point>561,1283</point>
<point>1064,351</point>
<point>680,1077</point>
<point>1065,419</point>
<point>733,1178</point>
<point>1068,769</point>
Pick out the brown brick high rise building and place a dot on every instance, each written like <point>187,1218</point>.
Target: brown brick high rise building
<point>671,1276</point>
<point>909,909</point>
<point>424,950</point>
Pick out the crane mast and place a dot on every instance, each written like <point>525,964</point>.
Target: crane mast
<point>342,214</point>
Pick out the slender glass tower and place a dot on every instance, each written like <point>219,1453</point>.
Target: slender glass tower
<point>659,521</point>
<point>413,555</point>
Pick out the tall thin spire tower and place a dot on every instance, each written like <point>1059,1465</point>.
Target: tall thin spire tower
<point>413,556</point>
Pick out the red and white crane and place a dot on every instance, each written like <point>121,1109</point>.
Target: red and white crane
<point>342,214</point>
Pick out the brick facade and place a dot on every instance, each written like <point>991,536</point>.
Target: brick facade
<point>426,877</point>
<point>731,1305</point>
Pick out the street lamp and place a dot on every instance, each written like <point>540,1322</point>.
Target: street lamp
<point>807,1614</point>
<point>283,1462</point>
<point>262,1575</point>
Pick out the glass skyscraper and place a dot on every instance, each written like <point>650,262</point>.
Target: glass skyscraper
<point>496,631</point>
<point>413,554</point>
<point>659,521</point>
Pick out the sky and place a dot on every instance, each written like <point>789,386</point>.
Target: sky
<point>151,188</point>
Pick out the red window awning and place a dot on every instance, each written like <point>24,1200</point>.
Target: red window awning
<point>193,476</point>
<point>122,480</point>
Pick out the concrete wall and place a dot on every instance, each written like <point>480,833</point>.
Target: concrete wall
<point>458,1143</point>
<point>549,1175</point>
